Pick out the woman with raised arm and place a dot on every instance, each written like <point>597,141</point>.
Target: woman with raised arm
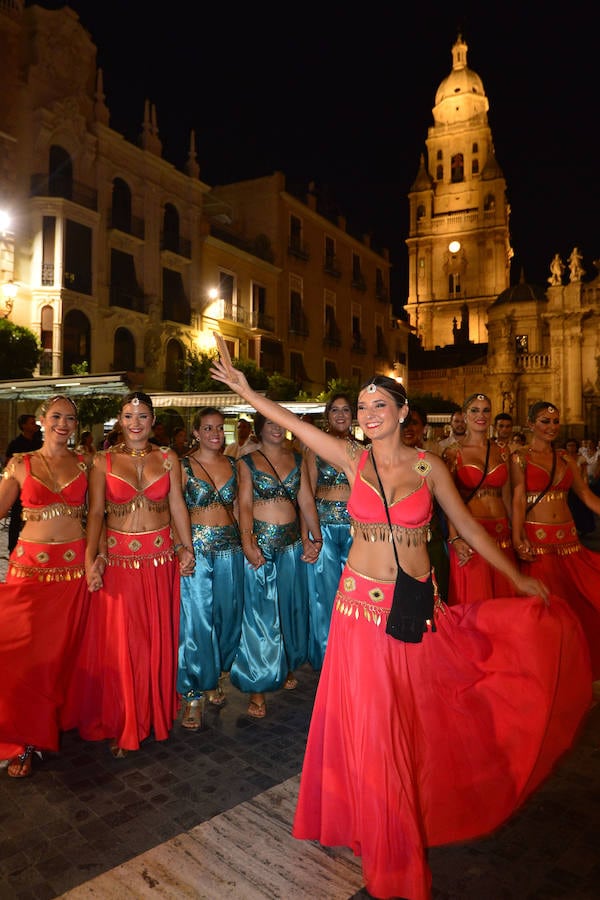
<point>128,664</point>
<point>331,490</point>
<point>212,598</point>
<point>274,489</point>
<point>418,741</point>
<point>479,467</point>
<point>544,533</point>
<point>44,602</point>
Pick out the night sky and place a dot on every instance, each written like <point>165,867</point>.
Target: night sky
<point>342,96</point>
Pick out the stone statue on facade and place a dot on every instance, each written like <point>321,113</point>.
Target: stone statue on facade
<point>575,267</point>
<point>557,267</point>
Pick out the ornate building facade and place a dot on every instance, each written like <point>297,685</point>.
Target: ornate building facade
<point>116,259</point>
<point>519,343</point>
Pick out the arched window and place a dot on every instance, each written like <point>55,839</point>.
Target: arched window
<point>60,174</point>
<point>174,374</point>
<point>171,228</point>
<point>420,211</point>
<point>489,203</point>
<point>475,148</point>
<point>77,344</point>
<point>458,168</point>
<point>121,206</point>
<point>440,155</point>
<point>123,351</point>
<point>46,340</point>
<point>439,173</point>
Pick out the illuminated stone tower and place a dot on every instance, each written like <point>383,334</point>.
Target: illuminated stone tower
<point>458,245</point>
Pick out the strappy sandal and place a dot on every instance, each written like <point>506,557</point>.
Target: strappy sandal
<point>290,683</point>
<point>192,714</point>
<point>118,752</point>
<point>22,764</point>
<point>217,697</point>
<point>257,710</point>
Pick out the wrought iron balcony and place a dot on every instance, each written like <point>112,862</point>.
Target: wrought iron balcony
<point>299,323</point>
<point>359,345</point>
<point>359,282</point>
<point>298,249</point>
<point>262,321</point>
<point>332,336</point>
<point>331,267</point>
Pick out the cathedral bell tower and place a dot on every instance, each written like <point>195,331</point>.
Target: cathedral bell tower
<point>458,246</point>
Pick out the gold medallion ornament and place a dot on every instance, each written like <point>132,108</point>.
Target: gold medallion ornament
<point>135,401</point>
<point>371,388</point>
<point>422,467</point>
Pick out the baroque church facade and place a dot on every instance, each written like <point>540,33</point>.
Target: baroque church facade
<point>474,331</point>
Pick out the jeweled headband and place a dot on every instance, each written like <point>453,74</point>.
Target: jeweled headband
<point>387,384</point>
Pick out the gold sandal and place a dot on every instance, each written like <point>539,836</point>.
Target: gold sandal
<point>21,764</point>
<point>216,698</point>
<point>257,709</point>
<point>192,714</point>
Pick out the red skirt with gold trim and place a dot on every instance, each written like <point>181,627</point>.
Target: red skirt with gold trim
<point>128,664</point>
<point>478,580</point>
<point>43,609</point>
<point>414,745</point>
<point>571,571</point>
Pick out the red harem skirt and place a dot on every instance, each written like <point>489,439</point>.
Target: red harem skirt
<point>43,608</point>
<point>128,664</point>
<point>478,580</point>
<point>571,571</point>
<point>415,745</point>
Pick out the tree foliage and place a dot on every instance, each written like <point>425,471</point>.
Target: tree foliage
<point>20,351</point>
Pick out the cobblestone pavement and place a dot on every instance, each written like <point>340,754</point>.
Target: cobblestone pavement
<point>84,813</point>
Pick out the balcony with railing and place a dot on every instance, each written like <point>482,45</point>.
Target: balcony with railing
<point>331,266</point>
<point>262,321</point>
<point>358,281</point>
<point>234,313</point>
<point>359,344</point>
<point>299,323</point>
<point>381,293</point>
<point>172,242</point>
<point>529,362</point>
<point>42,185</point>
<point>132,225</point>
<point>125,298</point>
<point>298,249</point>
<point>332,336</point>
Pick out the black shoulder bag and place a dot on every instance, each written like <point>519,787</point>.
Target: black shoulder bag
<point>413,601</point>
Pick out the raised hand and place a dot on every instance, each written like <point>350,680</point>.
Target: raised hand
<point>223,369</point>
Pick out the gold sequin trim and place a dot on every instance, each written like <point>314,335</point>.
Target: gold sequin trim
<point>46,575</point>
<point>380,531</point>
<point>551,495</point>
<point>139,502</point>
<point>52,511</point>
<point>138,562</point>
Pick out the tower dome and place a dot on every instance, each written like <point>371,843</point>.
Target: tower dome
<point>460,96</point>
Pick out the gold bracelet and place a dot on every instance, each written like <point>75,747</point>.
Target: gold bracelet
<point>102,556</point>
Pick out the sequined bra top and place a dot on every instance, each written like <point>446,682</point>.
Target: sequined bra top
<point>410,515</point>
<point>201,494</point>
<point>468,476</point>
<point>266,485</point>
<point>122,497</point>
<point>41,502</point>
<point>328,476</point>
<point>536,479</point>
